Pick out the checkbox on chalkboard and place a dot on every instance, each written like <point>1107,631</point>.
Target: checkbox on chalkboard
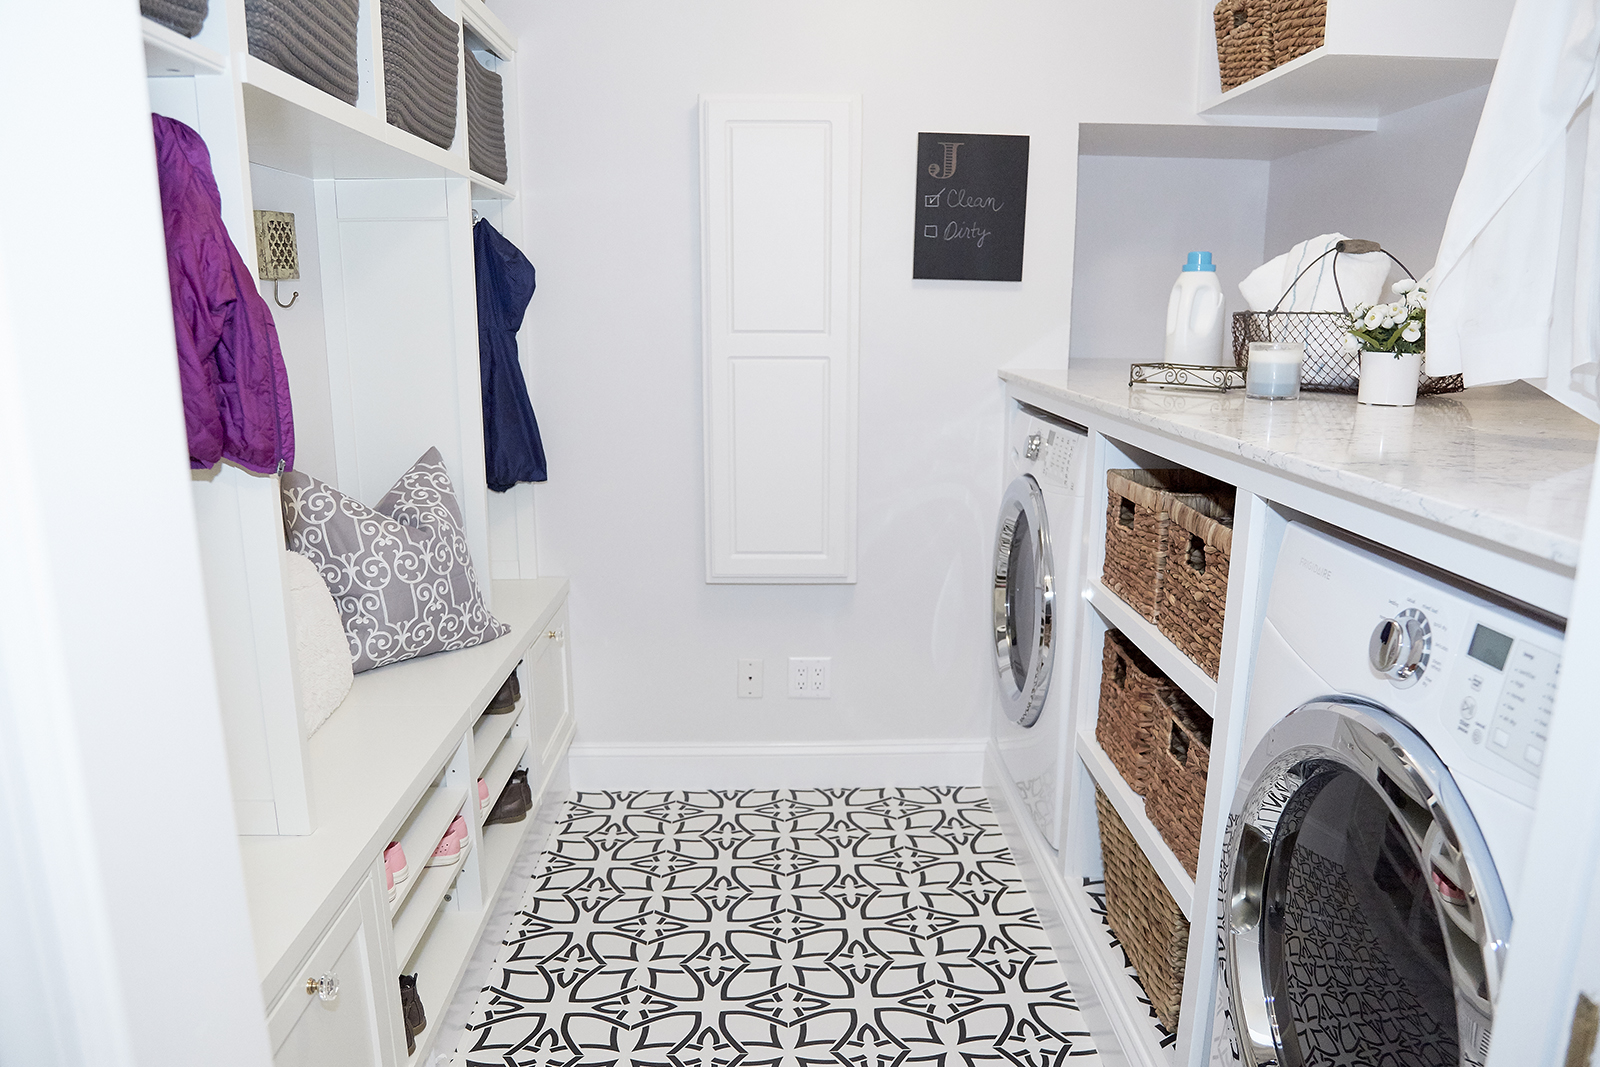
<point>930,231</point>
<point>931,200</point>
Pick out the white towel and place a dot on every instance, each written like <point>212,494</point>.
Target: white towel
<point>322,667</point>
<point>1361,279</point>
<point>1501,276</point>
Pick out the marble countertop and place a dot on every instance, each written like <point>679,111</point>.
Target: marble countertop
<point>1505,463</point>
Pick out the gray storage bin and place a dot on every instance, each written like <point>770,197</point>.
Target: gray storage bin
<point>486,121</point>
<point>184,16</point>
<point>314,40</point>
<point>421,48</point>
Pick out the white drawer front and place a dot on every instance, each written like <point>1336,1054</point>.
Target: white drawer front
<point>308,1030</point>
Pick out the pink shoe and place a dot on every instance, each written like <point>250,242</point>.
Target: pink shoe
<point>394,861</point>
<point>449,849</point>
<point>458,830</point>
<point>483,796</point>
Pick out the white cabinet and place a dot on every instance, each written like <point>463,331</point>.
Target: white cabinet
<point>341,1009</point>
<point>547,673</point>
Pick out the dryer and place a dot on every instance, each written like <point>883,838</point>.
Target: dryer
<point>1038,575</point>
<point>1374,845</point>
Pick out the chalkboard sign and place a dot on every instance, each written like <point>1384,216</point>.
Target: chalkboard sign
<point>972,200</point>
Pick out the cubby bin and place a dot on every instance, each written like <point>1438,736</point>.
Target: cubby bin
<point>1136,531</point>
<point>1132,690</point>
<point>486,121</point>
<point>313,40</point>
<point>1194,576</point>
<point>1176,800</point>
<point>421,64</point>
<point>187,17</point>
<point>1143,915</point>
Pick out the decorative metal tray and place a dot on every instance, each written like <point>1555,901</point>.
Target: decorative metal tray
<point>1186,376</point>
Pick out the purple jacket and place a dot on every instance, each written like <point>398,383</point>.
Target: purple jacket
<point>235,388</point>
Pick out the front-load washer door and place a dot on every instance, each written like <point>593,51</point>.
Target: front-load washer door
<point>1365,921</point>
<point>1024,601</point>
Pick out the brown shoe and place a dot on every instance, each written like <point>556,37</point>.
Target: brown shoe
<point>416,1020</point>
<point>506,699</point>
<point>513,803</point>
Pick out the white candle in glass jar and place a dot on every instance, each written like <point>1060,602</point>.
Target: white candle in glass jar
<point>1273,370</point>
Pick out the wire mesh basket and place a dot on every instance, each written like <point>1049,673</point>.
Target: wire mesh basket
<point>1327,368</point>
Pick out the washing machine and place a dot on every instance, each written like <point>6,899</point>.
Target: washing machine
<point>1038,573</point>
<point>1373,849</point>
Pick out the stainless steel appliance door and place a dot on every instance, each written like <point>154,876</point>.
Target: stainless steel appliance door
<point>1365,921</point>
<point>1024,601</point>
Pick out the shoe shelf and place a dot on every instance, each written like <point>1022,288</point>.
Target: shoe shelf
<point>502,767</point>
<point>1155,644</point>
<point>440,964</point>
<point>1130,808</point>
<point>488,734</point>
<point>421,836</point>
<point>413,919</point>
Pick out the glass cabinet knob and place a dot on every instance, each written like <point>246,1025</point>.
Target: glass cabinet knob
<point>326,987</point>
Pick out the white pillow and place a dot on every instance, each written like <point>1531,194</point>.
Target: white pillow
<point>323,673</point>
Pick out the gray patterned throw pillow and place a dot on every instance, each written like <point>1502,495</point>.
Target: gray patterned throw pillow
<point>400,573</point>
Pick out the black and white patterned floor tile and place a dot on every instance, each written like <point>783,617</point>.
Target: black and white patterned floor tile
<point>1096,888</point>
<point>791,928</point>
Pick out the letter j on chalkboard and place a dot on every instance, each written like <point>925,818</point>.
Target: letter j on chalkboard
<point>972,200</point>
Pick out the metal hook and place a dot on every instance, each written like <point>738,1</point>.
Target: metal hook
<point>280,303</point>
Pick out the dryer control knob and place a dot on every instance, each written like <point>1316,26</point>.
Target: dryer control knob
<point>1035,442</point>
<point>1398,648</point>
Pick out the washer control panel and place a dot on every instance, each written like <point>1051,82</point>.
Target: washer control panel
<point>1502,694</point>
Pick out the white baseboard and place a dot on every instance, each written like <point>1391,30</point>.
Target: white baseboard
<point>604,765</point>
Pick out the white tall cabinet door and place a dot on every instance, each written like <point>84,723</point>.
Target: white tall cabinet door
<point>780,188</point>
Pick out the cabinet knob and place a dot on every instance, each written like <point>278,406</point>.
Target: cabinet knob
<point>554,635</point>
<point>326,987</point>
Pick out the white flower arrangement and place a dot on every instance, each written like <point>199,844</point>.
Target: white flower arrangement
<point>1398,328</point>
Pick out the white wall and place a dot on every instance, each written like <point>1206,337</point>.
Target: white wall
<point>1138,218</point>
<point>1393,185</point>
<point>609,92</point>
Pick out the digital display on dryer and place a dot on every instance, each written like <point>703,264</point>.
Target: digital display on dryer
<point>1489,647</point>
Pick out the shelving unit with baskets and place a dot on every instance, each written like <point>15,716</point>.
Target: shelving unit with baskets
<point>381,346</point>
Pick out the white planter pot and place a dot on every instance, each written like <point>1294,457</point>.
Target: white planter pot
<point>1388,380</point>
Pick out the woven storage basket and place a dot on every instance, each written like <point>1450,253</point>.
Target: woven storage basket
<point>1177,798</point>
<point>314,40</point>
<point>486,121</point>
<point>185,16</point>
<point>421,48</point>
<point>1244,40</point>
<point>1297,27</point>
<point>1131,688</point>
<point>1136,529</point>
<point>1143,915</point>
<point>1194,585</point>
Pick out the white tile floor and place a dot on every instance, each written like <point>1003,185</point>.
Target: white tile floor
<point>839,928</point>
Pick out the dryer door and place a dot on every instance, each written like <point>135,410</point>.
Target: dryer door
<point>1024,601</point>
<point>1366,922</point>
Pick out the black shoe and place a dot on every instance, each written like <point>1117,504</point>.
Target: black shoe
<point>506,699</point>
<point>416,1020</point>
<point>513,803</point>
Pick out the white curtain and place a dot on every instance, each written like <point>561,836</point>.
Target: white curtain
<point>1516,290</point>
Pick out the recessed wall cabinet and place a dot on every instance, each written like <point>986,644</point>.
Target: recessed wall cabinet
<point>1315,463</point>
<point>382,352</point>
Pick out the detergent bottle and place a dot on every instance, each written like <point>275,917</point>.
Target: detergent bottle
<point>1194,315</point>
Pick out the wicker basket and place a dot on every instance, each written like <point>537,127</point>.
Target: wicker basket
<point>421,47</point>
<point>1194,584</point>
<point>1297,28</point>
<point>1177,798</point>
<point>486,122</point>
<point>1131,689</point>
<point>1143,915</point>
<point>314,40</point>
<point>1244,40</point>
<point>1136,531</point>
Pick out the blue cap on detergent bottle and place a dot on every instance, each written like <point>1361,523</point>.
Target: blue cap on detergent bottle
<point>1200,261</point>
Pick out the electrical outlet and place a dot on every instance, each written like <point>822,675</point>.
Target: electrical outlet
<point>808,677</point>
<point>750,671</point>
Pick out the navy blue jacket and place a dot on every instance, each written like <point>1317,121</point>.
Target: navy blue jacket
<point>512,451</point>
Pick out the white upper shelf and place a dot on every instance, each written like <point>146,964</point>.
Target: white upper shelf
<point>169,54</point>
<point>1377,57</point>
